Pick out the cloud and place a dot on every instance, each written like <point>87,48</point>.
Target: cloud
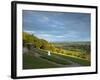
<point>60,36</point>
<point>57,26</point>
<point>55,35</point>
<point>59,23</point>
<point>44,19</point>
<point>72,34</point>
<point>30,32</point>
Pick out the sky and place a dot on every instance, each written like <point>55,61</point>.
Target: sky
<point>57,26</point>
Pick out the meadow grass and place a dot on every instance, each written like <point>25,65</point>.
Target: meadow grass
<point>31,62</point>
<point>56,60</point>
<point>52,58</point>
<point>80,61</point>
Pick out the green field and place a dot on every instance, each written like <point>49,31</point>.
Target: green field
<point>78,49</point>
<point>62,54</point>
<point>31,62</point>
<point>77,60</point>
<point>55,60</point>
<point>43,61</point>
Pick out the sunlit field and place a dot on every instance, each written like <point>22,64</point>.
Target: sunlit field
<point>53,39</point>
<point>65,54</point>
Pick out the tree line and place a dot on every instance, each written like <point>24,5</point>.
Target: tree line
<point>74,50</point>
<point>39,43</point>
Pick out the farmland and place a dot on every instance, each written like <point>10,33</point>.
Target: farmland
<point>62,54</point>
<point>55,60</point>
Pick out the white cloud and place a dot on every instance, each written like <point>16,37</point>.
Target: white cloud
<point>71,34</point>
<point>44,35</point>
<point>44,19</point>
<point>55,37</point>
<point>31,32</point>
<point>60,36</point>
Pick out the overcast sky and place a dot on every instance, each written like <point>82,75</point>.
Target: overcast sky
<point>57,26</point>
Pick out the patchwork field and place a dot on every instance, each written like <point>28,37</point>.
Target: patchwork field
<point>39,53</point>
<point>43,60</point>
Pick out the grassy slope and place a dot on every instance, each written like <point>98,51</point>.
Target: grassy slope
<point>52,58</point>
<point>30,62</point>
<point>77,60</point>
<point>56,60</point>
<point>74,59</point>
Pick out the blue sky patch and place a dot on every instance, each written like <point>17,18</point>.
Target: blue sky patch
<point>57,26</point>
